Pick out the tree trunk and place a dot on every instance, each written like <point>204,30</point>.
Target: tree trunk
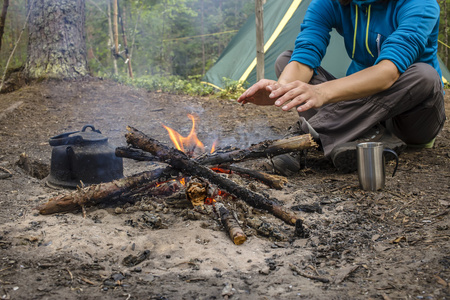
<point>3,19</point>
<point>111,37</point>
<point>56,45</point>
<point>446,33</point>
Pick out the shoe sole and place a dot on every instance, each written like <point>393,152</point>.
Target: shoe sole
<point>345,160</point>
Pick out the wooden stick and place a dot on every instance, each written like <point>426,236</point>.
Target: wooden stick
<point>313,277</point>
<point>178,160</point>
<point>231,225</point>
<point>135,154</point>
<point>95,194</point>
<point>273,181</point>
<point>264,149</point>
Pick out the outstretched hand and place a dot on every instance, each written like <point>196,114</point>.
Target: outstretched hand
<point>287,96</point>
<point>298,94</point>
<point>259,93</point>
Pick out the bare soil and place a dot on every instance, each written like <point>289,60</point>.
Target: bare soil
<point>390,244</point>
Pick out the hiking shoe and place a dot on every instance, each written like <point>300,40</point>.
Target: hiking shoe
<point>344,156</point>
<point>290,163</point>
<point>428,145</point>
<point>284,164</point>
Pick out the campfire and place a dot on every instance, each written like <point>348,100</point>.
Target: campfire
<point>203,179</point>
<point>190,145</point>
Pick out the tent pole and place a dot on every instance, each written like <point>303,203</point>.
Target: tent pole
<point>259,13</point>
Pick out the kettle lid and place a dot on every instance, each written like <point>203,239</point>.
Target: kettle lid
<point>78,137</point>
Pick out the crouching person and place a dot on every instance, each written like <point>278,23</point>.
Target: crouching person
<point>392,93</point>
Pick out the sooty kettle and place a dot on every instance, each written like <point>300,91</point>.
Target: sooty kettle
<point>83,157</point>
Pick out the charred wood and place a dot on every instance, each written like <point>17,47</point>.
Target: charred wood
<point>263,149</point>
<point>181,162</point>
<point>273,181</point>
<point>231,226</point>
<point>136,154</point>
<point>265,229</point>
<point>98,193</point>
<point>196,192</point>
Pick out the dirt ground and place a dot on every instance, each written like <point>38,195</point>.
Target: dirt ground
<point>390,244</point>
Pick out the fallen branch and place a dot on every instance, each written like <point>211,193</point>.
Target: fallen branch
<point>313,277</point>
<point>231,226</point>
<point>273,181</point>
<point>178,160</point>
<point>135,154</point>
<point>264,149</point>
<point>7,173</point>
<point>98,193</point>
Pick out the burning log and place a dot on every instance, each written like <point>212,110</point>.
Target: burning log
<point>273,181</point>
<point>263,149</point>
<point>98,193</point>
<point>231,225</point>
<point>178,160</point>
<point>196,192</point>
<point>135,154</point>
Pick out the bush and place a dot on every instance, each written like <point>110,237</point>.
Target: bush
<point>176,85</point>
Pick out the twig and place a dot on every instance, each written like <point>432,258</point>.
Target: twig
<point>313,277</point>
<point>99,8</point>
<point>5,269</point>
<point>87,281</point>
<point>7,175</point>
<point>70,274</point>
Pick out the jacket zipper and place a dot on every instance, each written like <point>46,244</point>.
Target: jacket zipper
<point>379,43</point>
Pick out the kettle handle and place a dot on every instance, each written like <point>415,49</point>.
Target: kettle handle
<point>90,126</point>
<point>396,158</point>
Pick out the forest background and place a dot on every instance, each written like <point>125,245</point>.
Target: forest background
<point>181,38</point>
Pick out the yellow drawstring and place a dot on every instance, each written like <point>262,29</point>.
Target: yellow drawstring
<point>356,30</point>
<point>367,32</point>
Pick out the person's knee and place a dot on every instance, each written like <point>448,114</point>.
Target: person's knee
<point>424,74</point>
<point>282,61</point>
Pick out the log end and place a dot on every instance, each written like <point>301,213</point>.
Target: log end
<point>239,239</point>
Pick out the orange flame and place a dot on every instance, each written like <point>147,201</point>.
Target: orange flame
<point>213,147</point>
<point>189,143</point>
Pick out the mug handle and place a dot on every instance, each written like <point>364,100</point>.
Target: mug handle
<point>396,158</point>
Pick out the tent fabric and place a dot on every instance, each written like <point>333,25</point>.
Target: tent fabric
<point>282,21</point>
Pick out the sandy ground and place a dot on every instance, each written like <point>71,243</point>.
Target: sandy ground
<point>391,244</point>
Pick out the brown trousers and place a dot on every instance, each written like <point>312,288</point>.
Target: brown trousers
<point>412,108</point>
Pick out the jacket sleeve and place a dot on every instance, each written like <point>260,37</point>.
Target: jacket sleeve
<point>416,20</point>
<point>314,37</point>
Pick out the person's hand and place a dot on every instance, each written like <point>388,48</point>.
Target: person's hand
<point>259,93</point>
<point>297,94</point>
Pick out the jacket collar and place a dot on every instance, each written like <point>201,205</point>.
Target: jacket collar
<point>363,2</point>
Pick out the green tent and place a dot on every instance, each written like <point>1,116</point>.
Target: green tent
<point>282,21</point>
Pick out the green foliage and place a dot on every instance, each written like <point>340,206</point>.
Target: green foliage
<point>168,84</point>
<point>179,86</point>
<point>232,88</point>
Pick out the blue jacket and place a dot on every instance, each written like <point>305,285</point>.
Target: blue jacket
<point>402,31</point>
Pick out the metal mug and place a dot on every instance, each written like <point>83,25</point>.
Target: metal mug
<point>370,160</point>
